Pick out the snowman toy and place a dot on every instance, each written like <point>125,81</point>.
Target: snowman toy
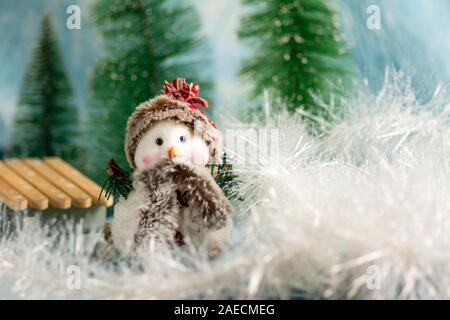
<point>175,202</point>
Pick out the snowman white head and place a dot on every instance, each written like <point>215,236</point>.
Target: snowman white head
<point>172,126</point>
<point>170,139</point>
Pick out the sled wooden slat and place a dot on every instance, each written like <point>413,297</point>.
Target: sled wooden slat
<point>79,198</point>
<point>36,200</point>
<point>79,179</point>
<point>11,197</point>
<point>56,197</point>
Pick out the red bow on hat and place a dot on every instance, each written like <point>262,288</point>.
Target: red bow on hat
<point>182,91</point>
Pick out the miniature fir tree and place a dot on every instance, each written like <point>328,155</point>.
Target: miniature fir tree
<point>46,121</point>
<point>298,51</point>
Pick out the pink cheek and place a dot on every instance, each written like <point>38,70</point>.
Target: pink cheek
<point>146,161</point>
<point>197,157</point>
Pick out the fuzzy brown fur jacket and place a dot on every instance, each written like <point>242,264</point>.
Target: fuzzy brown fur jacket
<point>170,187</point>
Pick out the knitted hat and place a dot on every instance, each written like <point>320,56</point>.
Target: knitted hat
<point>177,102</point>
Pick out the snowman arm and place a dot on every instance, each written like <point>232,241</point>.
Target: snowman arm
<point>198,188</point>
<point>158,217</point>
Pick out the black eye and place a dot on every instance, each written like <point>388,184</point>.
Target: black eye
<point>159,141</point>
<point>182,138</point>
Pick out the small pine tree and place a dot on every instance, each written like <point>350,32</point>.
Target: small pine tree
<point>226,178</point>
<point>298,51</point>
<point>46,121</point>
<point>147,41</point>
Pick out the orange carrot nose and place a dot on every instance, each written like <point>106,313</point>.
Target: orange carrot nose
<point>172,152</point>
